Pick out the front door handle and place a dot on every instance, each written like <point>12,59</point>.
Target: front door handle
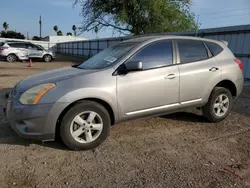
<point>170,76</point>
<point>213,69</point>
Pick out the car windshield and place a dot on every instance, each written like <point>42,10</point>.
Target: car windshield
<point>108,56</point>
<point>39,46</point>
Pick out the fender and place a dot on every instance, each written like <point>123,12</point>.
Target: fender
<point>76,95</point>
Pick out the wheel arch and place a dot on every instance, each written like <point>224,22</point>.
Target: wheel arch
<point>228,84</point>
<point>105,104</point>
<point>47,54</point>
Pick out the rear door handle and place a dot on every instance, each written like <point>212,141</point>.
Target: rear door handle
<point>213,69</point>
<point>170,76</point>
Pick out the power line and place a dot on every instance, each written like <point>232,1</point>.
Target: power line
<point>224,11</point>
<point>230,15</point>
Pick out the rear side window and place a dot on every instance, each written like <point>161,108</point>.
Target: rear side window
<point>214,48</point>
<point>157,54</point>
<point>2,43</point>
<point>16,45</point>
<point>191,51</point>
<point>31,46</point>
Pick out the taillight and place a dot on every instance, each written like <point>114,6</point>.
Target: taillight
<point>239,63</point>
<point>3,48</point>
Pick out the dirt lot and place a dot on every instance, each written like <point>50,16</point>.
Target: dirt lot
<point>178,150</point>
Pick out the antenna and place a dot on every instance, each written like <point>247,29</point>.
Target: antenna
<point>40,24</point>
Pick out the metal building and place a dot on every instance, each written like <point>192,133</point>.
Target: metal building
<point>238,38</point>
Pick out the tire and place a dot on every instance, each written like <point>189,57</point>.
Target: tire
<point>217,109</point>
<point>47,58</point>
<point>11,58</point>
<point>69,127</point>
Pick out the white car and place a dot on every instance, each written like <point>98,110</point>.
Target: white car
<point>13,51</point>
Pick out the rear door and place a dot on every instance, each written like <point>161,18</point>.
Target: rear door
<point>18,49</point>
<point>199,71</point>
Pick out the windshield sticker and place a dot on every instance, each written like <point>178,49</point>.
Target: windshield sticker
<point>110,59</point>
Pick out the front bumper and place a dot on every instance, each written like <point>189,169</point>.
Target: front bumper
<point>29,121</point>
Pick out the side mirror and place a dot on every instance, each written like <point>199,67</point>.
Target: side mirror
<point>133,66</point>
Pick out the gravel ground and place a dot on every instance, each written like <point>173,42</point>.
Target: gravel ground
<point>178,150</point>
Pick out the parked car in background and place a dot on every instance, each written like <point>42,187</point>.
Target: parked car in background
<point>147,76</point>
<point>14,51</point>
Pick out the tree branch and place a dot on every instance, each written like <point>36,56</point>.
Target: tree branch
<point>106,24</point>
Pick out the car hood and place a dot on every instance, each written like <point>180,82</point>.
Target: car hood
<point>52,76</point>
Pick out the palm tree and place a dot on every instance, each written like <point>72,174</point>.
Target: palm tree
<point>55,28</point>
<point>5,26</point>
<point>74,29</point>
<point>59,33</point>
<point>69,34</point>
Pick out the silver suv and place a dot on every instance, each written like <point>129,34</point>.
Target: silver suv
<point>147,76</point>
<point>13,51</point>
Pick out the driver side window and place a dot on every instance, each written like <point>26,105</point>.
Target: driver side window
<point>155,55</point>
<point>31,47</point>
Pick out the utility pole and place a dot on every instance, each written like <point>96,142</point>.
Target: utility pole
<point>40,24</point>
<point>197,24</point>
<point>27,35</point>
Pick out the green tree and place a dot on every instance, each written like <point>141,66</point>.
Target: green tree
<point>69,34</point>
<point>5,26</point>
<point>12,34</point>
<point>137,16</point>
<point>74,29</point>
<point>59,33</point>
<point>55,28</point>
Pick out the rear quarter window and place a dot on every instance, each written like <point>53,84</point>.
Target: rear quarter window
<point>214,48</point>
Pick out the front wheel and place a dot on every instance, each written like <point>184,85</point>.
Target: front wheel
<point>85,126</point>
<point>47,58</point>
<point>219,104</point>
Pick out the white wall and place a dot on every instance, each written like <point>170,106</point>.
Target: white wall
<point>57,39</point>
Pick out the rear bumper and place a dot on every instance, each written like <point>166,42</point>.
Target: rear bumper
<point>239,85</point>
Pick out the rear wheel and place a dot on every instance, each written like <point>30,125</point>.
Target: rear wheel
<point>47,58</point>
<point>85,126</point>
<point>219,104</point>
<point>11,58</point>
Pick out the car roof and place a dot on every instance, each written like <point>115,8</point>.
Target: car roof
<point>15,42</point>
<point>142,39</point>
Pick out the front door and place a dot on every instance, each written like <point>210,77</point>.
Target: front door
<point>199,71</point>
<point>32,50</point>
<point>153,90</point>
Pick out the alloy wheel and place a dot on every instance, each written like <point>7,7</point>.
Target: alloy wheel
<point>221,105</point>
<point>86,127</point>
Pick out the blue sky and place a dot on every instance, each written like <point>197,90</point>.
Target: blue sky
<point>23,15</point>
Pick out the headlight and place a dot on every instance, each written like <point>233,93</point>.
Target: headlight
<point>34,94</point>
